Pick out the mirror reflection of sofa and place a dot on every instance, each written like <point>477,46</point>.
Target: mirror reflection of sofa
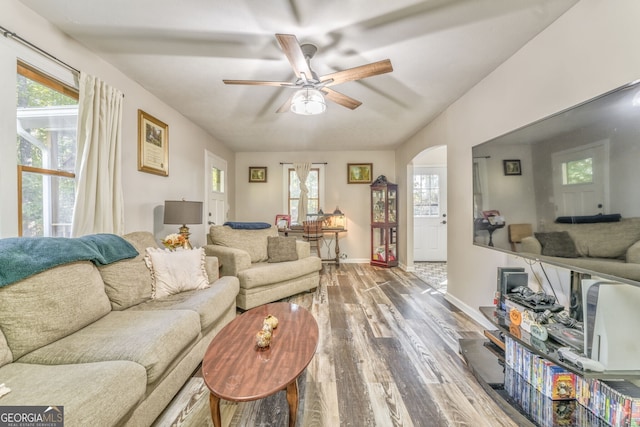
<point>611,248</point>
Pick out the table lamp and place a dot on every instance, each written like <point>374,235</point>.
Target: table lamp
<point>183,212</point>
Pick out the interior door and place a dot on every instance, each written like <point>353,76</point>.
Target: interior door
<point>580,177</point>
<point>216,187</point>
<point>430,213</point>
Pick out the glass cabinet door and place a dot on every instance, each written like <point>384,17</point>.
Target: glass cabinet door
<point>384,217</point>
<point>378,199</point>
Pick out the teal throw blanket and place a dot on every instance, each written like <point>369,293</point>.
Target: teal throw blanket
<point>21,257</point>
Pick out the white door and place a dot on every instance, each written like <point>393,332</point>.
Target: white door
<point>580,177</point>
<point>216,187</point>
<point>430,213</point>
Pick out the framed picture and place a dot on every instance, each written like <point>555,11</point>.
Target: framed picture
<point>153,145</point>
<point>512,167</point>
<point>257,174</point>
<point>359,173</point>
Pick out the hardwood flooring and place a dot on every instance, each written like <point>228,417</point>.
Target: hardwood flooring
<point>387,356</point>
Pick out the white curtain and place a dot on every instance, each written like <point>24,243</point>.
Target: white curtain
<point>302,170</point>
<point>99,206</point>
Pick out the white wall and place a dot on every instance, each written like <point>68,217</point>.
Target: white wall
<point>144,194</point>
<point>587,51</point>
<point>263,201</point>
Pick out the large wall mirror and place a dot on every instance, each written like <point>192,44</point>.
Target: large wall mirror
<point>566,189</point>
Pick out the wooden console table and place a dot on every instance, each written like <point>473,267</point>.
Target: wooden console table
<point>333,232</point>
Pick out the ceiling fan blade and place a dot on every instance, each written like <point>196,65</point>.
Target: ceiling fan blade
<point>358,73</point>
<point>340,98</point>
<point>255,83</point>
<point>286,107</point>
<point>291,47</point>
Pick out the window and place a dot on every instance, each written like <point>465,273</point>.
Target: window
<point>313,198</point>
<point>217,180</point>
<point>426,195</point>
<point>577,171</point>
<point>47,115</point>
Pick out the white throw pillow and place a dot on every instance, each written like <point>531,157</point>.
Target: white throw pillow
<point>177,271</point>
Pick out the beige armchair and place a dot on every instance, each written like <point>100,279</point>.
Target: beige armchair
<point>245,254</point>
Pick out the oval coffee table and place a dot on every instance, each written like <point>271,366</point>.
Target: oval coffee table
<point>234,369</point>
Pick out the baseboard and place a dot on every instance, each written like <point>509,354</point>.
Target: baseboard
<point>471,312</point>
<point>354,261</point>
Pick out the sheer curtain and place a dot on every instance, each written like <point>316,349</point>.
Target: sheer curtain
<point>302,170</point>
<point>478,166</point>
<point>99,206</point>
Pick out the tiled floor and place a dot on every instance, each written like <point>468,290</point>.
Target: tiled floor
<point>433,273</point>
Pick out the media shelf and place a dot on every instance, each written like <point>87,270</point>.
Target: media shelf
<point>521,401</point>
<point>547,349</point>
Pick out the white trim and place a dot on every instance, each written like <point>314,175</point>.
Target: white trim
<point>473,313</point>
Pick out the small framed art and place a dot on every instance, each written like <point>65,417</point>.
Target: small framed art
<point>359,173</point>
<point>512,167</point>
<point>257,174</point>
<point>153,145</point>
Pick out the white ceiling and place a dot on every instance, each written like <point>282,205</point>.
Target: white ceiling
<point>181,50</point>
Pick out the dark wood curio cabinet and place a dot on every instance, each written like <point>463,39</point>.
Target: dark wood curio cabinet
<point>384,223</point>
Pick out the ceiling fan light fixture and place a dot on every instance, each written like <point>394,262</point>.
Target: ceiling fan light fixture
<point>308,101</point>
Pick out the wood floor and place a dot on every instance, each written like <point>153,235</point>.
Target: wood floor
<point>387,356</point>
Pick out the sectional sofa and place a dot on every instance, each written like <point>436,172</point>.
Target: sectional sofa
<point>611,248</point>
<point>101,342</point>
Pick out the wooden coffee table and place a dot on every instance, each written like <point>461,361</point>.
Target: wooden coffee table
<point>234,369</point>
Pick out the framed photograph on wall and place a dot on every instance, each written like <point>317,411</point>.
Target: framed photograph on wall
<point>153,145</point>
<point>512,167</point>
<point>257,174</point>
<point>359,173</point>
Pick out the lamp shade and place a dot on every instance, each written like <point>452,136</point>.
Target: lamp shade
<point>182,212</point>
<point>308,101</point>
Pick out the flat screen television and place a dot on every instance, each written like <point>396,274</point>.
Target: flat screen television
<point>530,177</point>
<point>611,324</point>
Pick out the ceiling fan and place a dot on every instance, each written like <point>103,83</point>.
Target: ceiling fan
<point>311,89</point>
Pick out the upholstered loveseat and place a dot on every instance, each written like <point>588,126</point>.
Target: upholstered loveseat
<point>93,340</point>
<point>607,247</point>
<point>269,267</point>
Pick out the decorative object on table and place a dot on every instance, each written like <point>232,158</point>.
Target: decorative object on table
<point>174,241</point>
<point>512,167</point>
<point>359,173</point>
<point>283,221</point>
<point>153,145</point>
<point>257,174</point>
<point>493,217</point>
<point>271,320</point>
<point>384,223</point>
<point>263,339</point>
<point>183,212</point>
<point>267,327</point>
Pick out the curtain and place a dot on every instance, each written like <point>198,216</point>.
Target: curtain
<point>99,206</point>
<point>302,170</point>
<point>477,190</point>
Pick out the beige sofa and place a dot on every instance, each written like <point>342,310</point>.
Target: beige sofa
<point>245,254</point>
<point>91,339</point>
<point>611,248</point>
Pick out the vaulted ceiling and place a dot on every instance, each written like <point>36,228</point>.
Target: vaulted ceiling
<point>182,50</point>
